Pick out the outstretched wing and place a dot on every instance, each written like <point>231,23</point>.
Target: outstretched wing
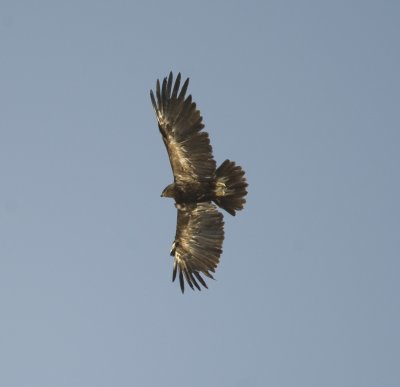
<point>180,124</point>
<point>198,243</point>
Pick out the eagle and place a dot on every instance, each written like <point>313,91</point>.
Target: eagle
<point>198,187</point>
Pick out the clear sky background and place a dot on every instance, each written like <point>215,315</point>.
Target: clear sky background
<point>305,95</point>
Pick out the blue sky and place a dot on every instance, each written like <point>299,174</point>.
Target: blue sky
<point>304,95</point>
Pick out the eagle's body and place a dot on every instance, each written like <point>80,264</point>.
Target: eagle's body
<point>190,193</point>
<point>197,184</point>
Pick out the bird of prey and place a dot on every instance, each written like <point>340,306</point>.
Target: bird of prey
<point>198,184</point>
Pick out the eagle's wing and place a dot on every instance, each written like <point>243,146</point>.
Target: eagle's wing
<point>198,243</point>
<point>180,124</point>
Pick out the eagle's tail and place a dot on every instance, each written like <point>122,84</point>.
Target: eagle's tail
<point>230,187</point>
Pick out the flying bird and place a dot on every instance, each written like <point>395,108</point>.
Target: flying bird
<point>198,187</point>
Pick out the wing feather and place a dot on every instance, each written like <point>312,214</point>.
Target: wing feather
<point>198,243</point>
<point>176,85</point>
<point>181,124</point>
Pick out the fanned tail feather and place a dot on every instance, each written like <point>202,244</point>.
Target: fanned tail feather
<point>230,187</point>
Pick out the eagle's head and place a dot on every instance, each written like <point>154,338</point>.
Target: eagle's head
<point>169,191</point>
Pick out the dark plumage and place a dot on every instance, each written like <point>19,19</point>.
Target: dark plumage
<point>197,184</point>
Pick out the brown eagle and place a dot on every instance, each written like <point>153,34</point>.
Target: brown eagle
<point>198,184</point>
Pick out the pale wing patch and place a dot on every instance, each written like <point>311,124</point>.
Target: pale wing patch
<point>181,157</point>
